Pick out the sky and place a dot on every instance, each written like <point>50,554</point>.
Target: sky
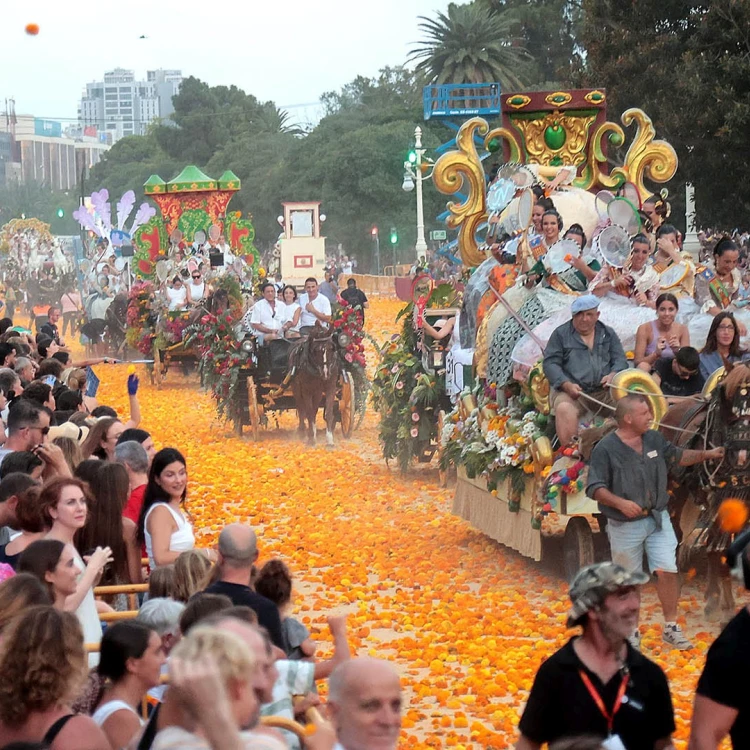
<point>289,51</point>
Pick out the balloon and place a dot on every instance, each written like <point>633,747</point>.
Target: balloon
<point>32,29</point>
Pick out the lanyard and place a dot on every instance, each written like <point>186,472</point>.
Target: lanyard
<point>600,703</point>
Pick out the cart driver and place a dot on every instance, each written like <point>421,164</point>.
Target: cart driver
<point>581,358</point>
<point>266,318</point>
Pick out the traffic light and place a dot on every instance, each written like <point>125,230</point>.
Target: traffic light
<point>60,213</point>
<point>374,232</point>
<point>412,157</point>
<point>394,235</point>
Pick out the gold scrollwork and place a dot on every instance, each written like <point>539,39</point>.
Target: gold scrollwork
<point>462,170</point>
<point>595,177</point>
<point>514,147</point>
<point>646,156</point>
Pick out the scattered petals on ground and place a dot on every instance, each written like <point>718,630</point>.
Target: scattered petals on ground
<point>466,621</point>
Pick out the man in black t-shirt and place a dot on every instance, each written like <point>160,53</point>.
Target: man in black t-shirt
<point>680,375</point>
<point>355,297</point>
<point>598,684</point>
<point>50,327</point>
<point>238,551</point>
<point>722,699</point>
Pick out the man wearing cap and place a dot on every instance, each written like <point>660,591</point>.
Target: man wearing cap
<point>581,358</point>
<point>597,684</point>
<point>628,478</point>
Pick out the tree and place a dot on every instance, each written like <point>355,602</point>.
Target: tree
<point>470,44</point>
<point>37,201</point>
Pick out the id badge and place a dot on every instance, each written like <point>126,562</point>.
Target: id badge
<point>613,743</point>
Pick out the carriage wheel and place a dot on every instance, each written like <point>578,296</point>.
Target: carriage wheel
<point>346,404</point>
<point>578,546</point>
<point>252,407</point>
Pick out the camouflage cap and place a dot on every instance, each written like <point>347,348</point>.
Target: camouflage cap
<point>594,582</point>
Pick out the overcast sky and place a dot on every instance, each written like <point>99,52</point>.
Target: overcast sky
<point>290,51</point>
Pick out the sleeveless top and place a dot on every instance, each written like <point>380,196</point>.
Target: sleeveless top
<point>182,540</point>
<point>88,616</point>
<point>667,353</point>
<point>110,707</point>
<point>197,291</point>
<point>176,296</point>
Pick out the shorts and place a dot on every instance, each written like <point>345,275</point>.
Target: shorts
<point>630,539</point>
<point>582,404</point>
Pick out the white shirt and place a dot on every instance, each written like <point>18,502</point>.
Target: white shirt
<point>197,291</point>
<point>287,313</point>
<point>263,314</point>
<point>320,303</point>
<point>177,297</point>
<point>181,540</point>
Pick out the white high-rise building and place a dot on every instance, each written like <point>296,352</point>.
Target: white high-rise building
<point>120,106</point>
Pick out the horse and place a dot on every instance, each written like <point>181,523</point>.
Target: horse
<point>698,491</point>
<point>314,362</point>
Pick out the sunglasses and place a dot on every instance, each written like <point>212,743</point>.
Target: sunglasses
<point>196,277</point>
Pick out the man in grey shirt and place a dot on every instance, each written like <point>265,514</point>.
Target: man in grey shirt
<point>628,478</point>
<point>582,357</point>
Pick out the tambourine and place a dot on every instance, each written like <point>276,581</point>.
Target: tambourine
<point>623,213</point>
<point>421,287</point>
<point>521,176</point>
<point>557,258</point>
<point>517,216</point>
<point>199,238</point>
<point>674,275</point>
<point>499,195</point>
<point>601,201</point>
<point>630,191</point>
<point>614,245</point>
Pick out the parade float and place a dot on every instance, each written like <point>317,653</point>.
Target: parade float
<point>498,432</point>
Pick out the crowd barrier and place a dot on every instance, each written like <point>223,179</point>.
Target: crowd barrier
<point>369,284</point>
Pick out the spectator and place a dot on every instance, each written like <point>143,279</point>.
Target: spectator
<point>161,583</point>
<point>11,488</point>
<point>10,383</point>
<point>139,436</point>
<point>201,606</point>
<point>24,369</point>
<point>53,564</point>
<point>71,401</point>
<point>28,516</point>
<point>107,527</point>
<point>64,506</point>
<point>43,668</point>
<point>71,310</point>
<point>17,594</point>
<point>102,439</point>
<point>238,552</point>
<point>132,455</point>
<point>191,569</point>
<point>50,327</point>
<point>22,462</point>
<point>7,355</point>
<point>680,375</point>
<point>274,581</point>
<point>40,393</point>
<point>71,450</point>
<point>364,700</point>
<point>28,425</point>
<point>162,615</point>
<point>131,659</point>
<point>576,689</point>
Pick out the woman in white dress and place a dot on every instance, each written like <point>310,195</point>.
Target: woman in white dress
<point>291,312</point>
<point>64,505</point>
<point>196,289</point>
<point>177,294</point>
<point>164,526</point>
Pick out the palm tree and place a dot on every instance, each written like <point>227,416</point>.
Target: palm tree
<point>470,44</point>
<point>271,119</point>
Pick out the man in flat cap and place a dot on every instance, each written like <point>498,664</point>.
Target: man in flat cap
<point>597,684</point>
<point>581,358</point>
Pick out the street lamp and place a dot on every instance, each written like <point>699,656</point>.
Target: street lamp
<point>413,174</point>
<point>376,237</point>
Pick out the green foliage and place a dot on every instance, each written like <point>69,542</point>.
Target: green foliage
<point>38,201</point>
<point>470,44</point>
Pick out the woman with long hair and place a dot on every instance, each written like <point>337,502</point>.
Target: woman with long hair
<point>662,337</point>
<point>52,563</point>
<point>43,664</point>
<point>102,439</point>
<point>191,570</point>
<point>64,506</point>
<point>29,519</point>
<point>164,526</point>
<point>131,657</point>
<point>290,312</point>
<point>17,594</point>
<point>722,343</point>
<point>109,488</point>
<point>71,450</point>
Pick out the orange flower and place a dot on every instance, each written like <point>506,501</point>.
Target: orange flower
<point>732,515</point>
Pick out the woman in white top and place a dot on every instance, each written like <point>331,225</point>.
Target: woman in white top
<point>163,526</point>
<point>177,294</point>
<point>64,505</point>
<point>131,657</point>
<point>291,312</point>
<point>196,289</point>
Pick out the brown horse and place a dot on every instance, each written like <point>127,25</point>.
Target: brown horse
<point>698,491</point>
<point>314,362</point>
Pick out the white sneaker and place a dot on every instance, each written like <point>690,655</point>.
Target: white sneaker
<point>674,636</point>
<point>635,639</point>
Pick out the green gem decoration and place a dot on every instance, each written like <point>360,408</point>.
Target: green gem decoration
<point>516,100</point>
<point>596,97</point>
<point>616,139</point>
<point>493,145</point>
<point>559,99</point>
<point>555,136</point>
<point>556,161</point>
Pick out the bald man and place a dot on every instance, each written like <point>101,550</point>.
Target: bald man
<point>365,705</point>
<point>238,551</point>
